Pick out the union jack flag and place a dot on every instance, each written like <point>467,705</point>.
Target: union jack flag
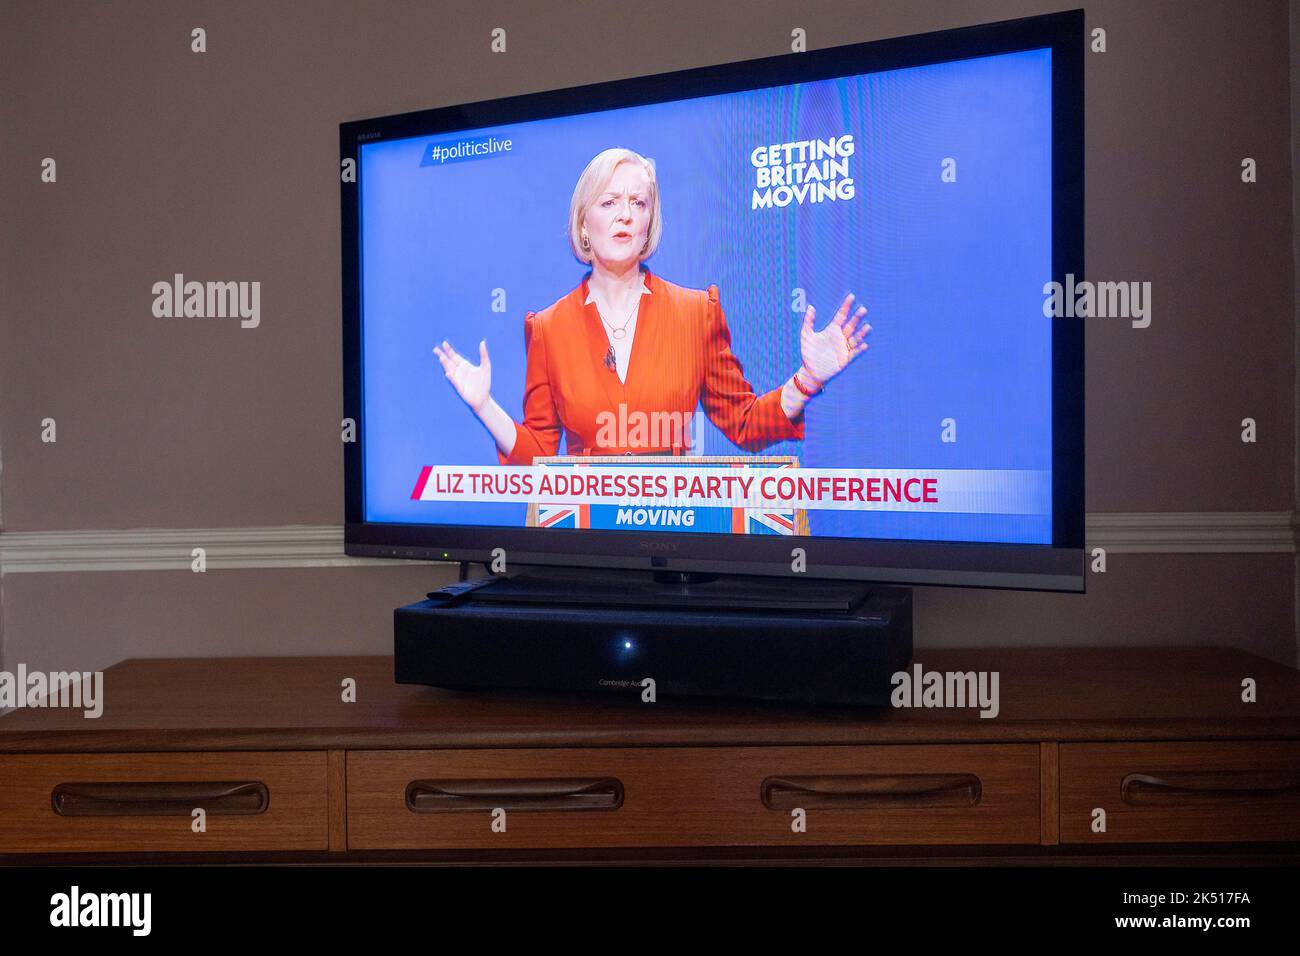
<point>716,520</point>
<point>559,516</point>
<point>760,521</point>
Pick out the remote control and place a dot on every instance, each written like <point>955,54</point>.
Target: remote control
<point>454,593</point>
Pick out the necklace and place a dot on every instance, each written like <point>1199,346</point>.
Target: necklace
<point>620,331</point>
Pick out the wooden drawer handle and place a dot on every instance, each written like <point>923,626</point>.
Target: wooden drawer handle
<point>872,791</point>
<point>159,799</point>
<point>455,796</point>
<point>1223,786</point>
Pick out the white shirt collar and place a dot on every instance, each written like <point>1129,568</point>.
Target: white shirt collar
<point>591,295</point>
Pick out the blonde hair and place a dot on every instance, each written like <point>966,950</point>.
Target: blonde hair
<point>590,184</point>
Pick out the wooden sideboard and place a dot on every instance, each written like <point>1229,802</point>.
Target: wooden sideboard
<point>1159,740</point>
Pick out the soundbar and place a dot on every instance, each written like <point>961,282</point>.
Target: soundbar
<point>468,637</point>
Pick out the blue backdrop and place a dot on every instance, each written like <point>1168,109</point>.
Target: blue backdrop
<point>952,273</point>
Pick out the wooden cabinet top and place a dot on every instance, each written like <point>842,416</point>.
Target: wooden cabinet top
<point>273,703</point>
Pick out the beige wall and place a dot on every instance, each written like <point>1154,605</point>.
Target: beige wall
<point>224,166</point>
<point>1295,248</point>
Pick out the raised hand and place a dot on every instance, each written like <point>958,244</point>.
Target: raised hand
<point>828,352</point>
<point>473,383</point>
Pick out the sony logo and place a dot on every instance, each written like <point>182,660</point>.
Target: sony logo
<point>658,546</point>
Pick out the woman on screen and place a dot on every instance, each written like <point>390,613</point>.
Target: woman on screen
<point>619,363</point>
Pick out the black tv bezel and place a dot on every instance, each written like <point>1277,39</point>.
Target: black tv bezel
<point>1055,567</point>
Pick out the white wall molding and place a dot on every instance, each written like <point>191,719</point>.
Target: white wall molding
<point>171,549</point>
<point>312,546</point>
<point>1193,532</point>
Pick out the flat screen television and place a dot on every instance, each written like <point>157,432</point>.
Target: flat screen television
<point>621,325</point>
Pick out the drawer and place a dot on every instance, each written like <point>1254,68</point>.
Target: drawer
<point>142,802</point>
<point>696,796</point>
<point>1210,792</point>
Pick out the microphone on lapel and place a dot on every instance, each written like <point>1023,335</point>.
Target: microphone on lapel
<point>611,363</point>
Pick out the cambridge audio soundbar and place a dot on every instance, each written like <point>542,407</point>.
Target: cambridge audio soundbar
<point>652,644</point>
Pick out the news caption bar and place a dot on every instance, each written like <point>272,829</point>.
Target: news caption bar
<point>1025,492</point>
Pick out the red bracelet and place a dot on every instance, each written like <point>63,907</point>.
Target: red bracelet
<point>799,385</point>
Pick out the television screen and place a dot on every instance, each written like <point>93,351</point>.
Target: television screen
<point>808,311</point>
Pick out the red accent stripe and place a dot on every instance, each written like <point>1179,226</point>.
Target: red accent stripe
<point>558,516</point>
<point>737,514</point>
<point>781,521</point>
<point>582,513</point>
<point>419,485</point>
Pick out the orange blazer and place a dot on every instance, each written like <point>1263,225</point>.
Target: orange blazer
<point>681,358</point>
